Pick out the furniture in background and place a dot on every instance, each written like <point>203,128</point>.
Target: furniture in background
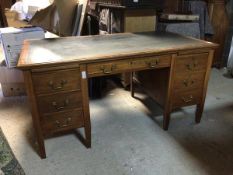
<point>56,74</point>
<point>229,42</point>
<point>220,21</point>
<point>191,29</point>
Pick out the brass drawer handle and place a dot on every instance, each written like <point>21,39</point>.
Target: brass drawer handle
<point>188,83</point>
<point>107,70</point>
<point>187,100</point>
<point>61,86</point>
<point>153,64</point>
<point>66,103</point>
<point>192,66</point>
<point>67,123</point>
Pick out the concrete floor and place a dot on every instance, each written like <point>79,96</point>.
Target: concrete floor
<point>128,138</point>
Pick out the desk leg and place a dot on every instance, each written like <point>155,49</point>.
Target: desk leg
<point>166,120</point>
<point>34,111</point>
<point>200,107</point>
<point>199,112</point>
<point>168,105</point>
<point>86,111</point>
<point>132,84</point>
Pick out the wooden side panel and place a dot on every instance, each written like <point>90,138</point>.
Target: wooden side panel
<point>155,83</point>
<point>220,22</point>
<point>200,106</point>
<point>35,112</point>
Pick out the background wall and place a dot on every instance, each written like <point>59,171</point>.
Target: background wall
<point>228,42</point>
<point>38,3</point>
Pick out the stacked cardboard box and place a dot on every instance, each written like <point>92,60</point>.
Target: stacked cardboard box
<point>12,41</point>
<point>11,79</point>
<point>12,18</point>
<point>12,82</point>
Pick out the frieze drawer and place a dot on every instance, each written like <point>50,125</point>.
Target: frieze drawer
<point>108,68</point>
<point>151,62</point>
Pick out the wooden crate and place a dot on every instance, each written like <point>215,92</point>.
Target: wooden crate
<point>139,20</point>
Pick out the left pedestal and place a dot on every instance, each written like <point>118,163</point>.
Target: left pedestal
<point>56,101</point>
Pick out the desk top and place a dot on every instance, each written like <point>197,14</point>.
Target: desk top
<point>94,48</point>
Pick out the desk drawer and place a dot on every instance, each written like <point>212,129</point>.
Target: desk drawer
<point>59,102</point>
<point>56,81</point>
<point>186,98</point>
<point>189,81</point>
<point>62,121</point>
<point>108,68</point>
<point>191,63</point>
<point>151,62</point>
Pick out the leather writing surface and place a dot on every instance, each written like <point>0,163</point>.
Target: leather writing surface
<point>109,46</point>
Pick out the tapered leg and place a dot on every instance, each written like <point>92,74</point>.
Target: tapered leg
<point>199,112</point>
<point>87,130</point>
<point>42,152</point>
<point>132,84</point>
<point>166,120</point>
<point>35,113</point>
<point>86,110</point>
<point>200,106</point>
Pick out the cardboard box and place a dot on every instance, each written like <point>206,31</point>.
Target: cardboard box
<point>12,18</point>
<point>13,89</point>
<point>12,82</point>
<point>10,75</point>
<point>12,41</point>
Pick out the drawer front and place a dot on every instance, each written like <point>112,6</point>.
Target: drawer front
<point>191,63</point>
<point>62,121</point>
<point>108,68</point>
<point>56,81</point>
<point>151,62</point>
<point>59,102</point>
<point>186,98</point>
<point>189,81</point>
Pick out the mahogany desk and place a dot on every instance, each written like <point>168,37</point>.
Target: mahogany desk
<point>56,73</point>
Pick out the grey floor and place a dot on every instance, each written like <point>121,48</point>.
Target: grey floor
<point>128,138</point>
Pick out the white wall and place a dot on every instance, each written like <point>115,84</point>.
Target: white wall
<point>38,3</point>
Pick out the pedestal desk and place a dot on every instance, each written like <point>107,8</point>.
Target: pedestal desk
<point>56,73</point>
